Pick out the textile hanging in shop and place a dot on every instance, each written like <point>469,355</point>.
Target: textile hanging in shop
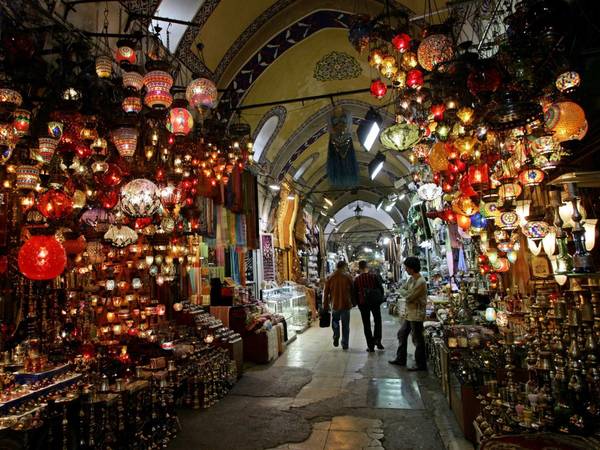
<point>234,264</point>
<point>286,220</point>
<point>268,257</point>
<point>250,193</point>
<point>342,166</point>
<point>300,230</point>
<point>240,230</point>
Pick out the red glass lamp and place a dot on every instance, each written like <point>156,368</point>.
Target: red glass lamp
<point>158,85</point>
<point>180,121</point>
<point>378,88</point>
<point>55,204</point>
<point>401,42</point>
<point>42,258</point>
<point>479,174</point>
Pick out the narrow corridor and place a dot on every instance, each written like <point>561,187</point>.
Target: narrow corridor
<point>316,396</point>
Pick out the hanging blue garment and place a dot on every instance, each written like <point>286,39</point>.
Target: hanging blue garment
<point>342,166</point>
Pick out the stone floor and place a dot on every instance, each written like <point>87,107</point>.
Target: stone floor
<point>316,396</point>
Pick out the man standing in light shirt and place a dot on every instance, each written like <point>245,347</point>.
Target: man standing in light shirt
<point>415,293</point>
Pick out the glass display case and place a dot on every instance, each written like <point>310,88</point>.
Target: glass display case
<point>290,302</point>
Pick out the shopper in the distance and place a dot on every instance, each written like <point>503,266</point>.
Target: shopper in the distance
<point>338,295</point>
<point>415,293</point>
<point>369,295</point>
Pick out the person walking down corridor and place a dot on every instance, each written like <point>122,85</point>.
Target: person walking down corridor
<point>338,294</point>
<point>369,295</point>
<point>415,292</point>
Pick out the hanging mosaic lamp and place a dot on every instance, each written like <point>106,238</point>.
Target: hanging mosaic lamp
<point>27,177</point>
<point>378,89</point>
<point>201,93</point>
<point>489,210</point>
<point>120,236</point>
<point>158,85</point>
<point>435,50</point>
<point>568,81</point>
<point>140,198</point>
<point>509,190</point>
<point>478,174</point>
<point>438,158</point>
<point>55,129</point>
<point>478,222</point>
<point>566,120</point>
<point>400,137</point>
<point>133,81</point>
<point>415,79</point>
<point>463,221</point>
<point>465,206</point>
<point>10,99</point>
<point>465,114</point>
<point>46,149</point>
<point>42,258</point>
<point>125,54</point>
<point>501,265</point>
<point>55,204</point>
<point>8,139</point>
<point>125,140</point>
<point>429,192</point>
<point>132,105</point>
<point>536,229</point>
<point>22,121</point>
<point>508,220</point>
<point>104,66</point>
<point>401,42</point>
<point>180,121</point>
<point>531,177</point>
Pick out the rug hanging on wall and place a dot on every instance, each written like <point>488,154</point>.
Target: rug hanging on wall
<point>342,167</point>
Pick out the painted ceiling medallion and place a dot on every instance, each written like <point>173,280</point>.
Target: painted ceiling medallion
<point>337,66</point>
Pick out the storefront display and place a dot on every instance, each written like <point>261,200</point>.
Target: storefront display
<point>289,301</point>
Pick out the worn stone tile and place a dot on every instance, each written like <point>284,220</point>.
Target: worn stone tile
<point>316,441</point>
<point>322,425</point>
<point>347,440</point>
<point>325,382</point>
<point>351,423</point>
<point>318,393</point>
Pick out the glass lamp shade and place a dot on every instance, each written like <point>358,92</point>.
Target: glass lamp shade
<point>42,258</point>
<point>400,137</point>
<point>133,81</point>
<point>465,114</point>
<point>171,195</point>
<point>125,55</point>
<point>22,121</point>
<point>97,218</point>
<point>99,145</point>
<point>500,235</point>
<point>508,220</point>
<point>429,192</point>
<point>104,66</point>
<point>125,140</point>
<point>535,247</point>
<point>132,105</point>
<point>158,84</point>
<point>120,236</point>
<point>140,198</point>
<point>568,81</point>
<point>409,60</point>
<point>501,265</point>
<point>463,221</point>
<point>438,158</point>
<point>10,99</point>
<point>415,79</point>
<point>566,120</point>
<point>95,252</point>
<point>549,243</point>
<point>421,151</point>
<point>566,213</point>
<point>509,191</point>
<point>55,129</point>
<point>590,233</point>
<point>434,50</point>
<point>46,149</point>
<point>201,93</point>
<point>180,121</point>
<point>27,177</point>
<point>478,222</point>
<point>531,177</point>
<point>536,229</point>
<point>401,42</point>
<point>378,89</point>
<point>490,314</point>
<point>512,256</point>
<point>465,206</point>
<point>112,176</point>
<point>492,255</point>
<point>376,57</point>
<point>399,80</point>
<point>8,136</point>
<point>478,174</point>
<point>55,204</point>
<point>489,210</point>
<point>388,67</point>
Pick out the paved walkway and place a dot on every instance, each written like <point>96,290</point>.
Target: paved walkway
<point>317,397</point>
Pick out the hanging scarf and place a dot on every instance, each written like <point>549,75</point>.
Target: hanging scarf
<point>342,167</point>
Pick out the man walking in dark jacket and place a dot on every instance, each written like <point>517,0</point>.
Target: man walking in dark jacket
<point>368,294</point>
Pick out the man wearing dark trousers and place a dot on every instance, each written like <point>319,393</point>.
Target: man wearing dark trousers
<point>338,295</point>
<point>415,292</point>
<point>368,295</point>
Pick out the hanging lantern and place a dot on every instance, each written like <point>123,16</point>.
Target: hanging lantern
<point>400,136</point>
<point>28,177</point>
<point>120,236</point>
<point>22,121</point>
<point>536,229</point>
<point>376,58</point>
<point>55,129</point>
<point>139,198</point>
<point>409,60</point>
<point>45,150</point>
<point>401,42</point>
<point>509,191</point>
<point>568,81</point>
<point>125,140</point>
<point>508,220</point>
<point>438,158</point>
<point>478,175</point>
<point>501,265</point>
<point>55,204</point>
<point>463,221</point>
<point>180,121</point>
<point>8,141</point>
<point>125,54</point>
<point>429,191</point>
<point>201,93</point>
<point>421,151</point>
<point>465,147</point>
<point>378,89</point>
<point>99,145</point>
<point>42,258</point>
<point>388,67</point>
<point>158,84</point>
<point>399,80</point>
<point>465,114</point>
<point>566,120</point>
<point>437,111</point>
<point>465,206</point>
<point>415,79</point>
<point>478,222</point>
<point>171,195</point>
<point>104,66</point>
<point>112,176</point>
<point>435,50</point>
<point>10,99</point>
<point>133,81</point>
<point>531,177</point>
<point>95,252</point>
<point>132,105</point>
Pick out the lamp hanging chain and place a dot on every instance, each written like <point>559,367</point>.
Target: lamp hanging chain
<point>105,26</point>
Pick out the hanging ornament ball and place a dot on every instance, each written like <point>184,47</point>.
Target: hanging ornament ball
<point>140,198</point>
<point>180,122</point>
<point>378,89</point>
<point>438,158</point>
<point>201,93</point>
<point>435,50</point>
<point>55,204</point>
<point>415,79</point>
<point>566,120</point>
<point>568,81</point>
<point>401,42</point>
<point>42,258</point>
<point>111,177</point>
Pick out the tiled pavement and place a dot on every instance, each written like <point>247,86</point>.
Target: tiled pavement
<point>354,400</point>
